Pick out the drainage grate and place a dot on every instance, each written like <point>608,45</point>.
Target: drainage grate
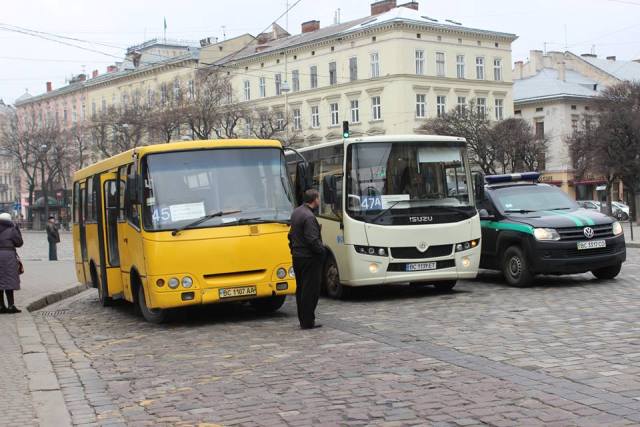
<point>54,313</point>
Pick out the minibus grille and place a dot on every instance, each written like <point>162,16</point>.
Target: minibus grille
<point>414,253</point>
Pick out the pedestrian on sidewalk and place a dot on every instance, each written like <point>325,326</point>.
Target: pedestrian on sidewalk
<point>307,251</point>
<point>10,239</point>
<point>53,236</point>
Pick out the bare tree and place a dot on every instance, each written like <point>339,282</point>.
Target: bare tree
<point>273,124</point>
<point>517,147</point>
<point>119,128</point>
<point>167,114</point>
<point>229,119</point>
<point>204,108</point>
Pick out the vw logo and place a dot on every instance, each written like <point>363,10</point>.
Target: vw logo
<point>588,232</point>
<point>422,246</point>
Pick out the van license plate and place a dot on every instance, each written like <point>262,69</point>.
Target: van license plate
<point>244,291</point>
<point>592,244</point>
<point>421,266</point>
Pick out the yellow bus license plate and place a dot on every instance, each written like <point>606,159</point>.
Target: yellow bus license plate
<point>244,291</point>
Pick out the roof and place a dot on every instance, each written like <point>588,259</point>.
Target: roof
<point>396,15</point>
<point>622,70</point>
<point>126,157</point>
<point>23,97</point>
<point>388,138</point>
<point>546,85</point>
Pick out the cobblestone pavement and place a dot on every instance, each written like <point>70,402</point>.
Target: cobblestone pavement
<point>564,352</point>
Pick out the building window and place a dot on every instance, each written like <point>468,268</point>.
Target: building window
<point>353,69</point>
<point>335,114</point>
<point>295,80</point>
<point>313,71</point>
<point>461,107</point>
<point>262,87</point>
<point>355,111</point>
<point>481,106</point>
<point>539,109</point>
<point>440,64</point>
<point>480,68</point>
<point>540,130</point>
<point>441,105</point>
<point>499,109</point>
<point>419,61</point>
<point>297,122</point>
<point>247,90</point>
<point>497,69</point>
<point>460,66</point>
<point>93,109</point>
<point>421,105</point>
<point>375,65</point>
<point>278,84</point>
<point>376,108</point>
<point>333,75</point>
<point>280,121</point>
<point>315,117</point>
<point>103,108</point>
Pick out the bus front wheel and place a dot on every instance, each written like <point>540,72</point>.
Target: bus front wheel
<point>268,305</point>
<point>151,315</point>
<point>331,279</point>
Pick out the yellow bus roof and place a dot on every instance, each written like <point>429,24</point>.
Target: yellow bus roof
<point>126,157</point>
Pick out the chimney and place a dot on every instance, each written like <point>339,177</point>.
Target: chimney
<point>410,5</point>
<point>112,69</point>
<point>382,6</point>
<point>562,71</point>
<point>518,69</point>
<point>310,26</point>
<point>536,60</point>
<point>94,74</point>
<point>611,58</point>
<point>82,77</point>
<point>49,87</point>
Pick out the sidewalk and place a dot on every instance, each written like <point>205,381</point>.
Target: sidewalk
<point>635,242</point>
<point>30,391</point>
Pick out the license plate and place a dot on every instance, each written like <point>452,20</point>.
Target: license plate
<point>421,266</point>
<point>244,291</point>
<point>592,244</point>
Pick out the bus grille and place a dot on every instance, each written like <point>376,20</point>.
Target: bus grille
<point>414,253</point>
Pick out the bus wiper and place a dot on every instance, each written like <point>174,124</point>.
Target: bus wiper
<point>559,209</point>
<point>386,210</point>
<point>201,220</point>
<point>258,220</point>
<point>521,211</point>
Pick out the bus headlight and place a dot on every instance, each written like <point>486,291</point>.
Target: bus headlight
<point>546,234</point>
<point>464,246</point>
<point>292,272</point>
<point>617,228</point>
<point>173,283</point>
<point>371,250</point>
<point>187,282</point>
<point>281,273</point>
<point>160,283</point>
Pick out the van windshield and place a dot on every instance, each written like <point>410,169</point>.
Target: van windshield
<point>183,186</point>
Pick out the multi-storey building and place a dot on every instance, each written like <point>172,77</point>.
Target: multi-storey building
<point>553,91</point>
<point>384,73</point>
<point>8,184</point>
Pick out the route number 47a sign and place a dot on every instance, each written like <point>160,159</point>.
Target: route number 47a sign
<point>371,203</point>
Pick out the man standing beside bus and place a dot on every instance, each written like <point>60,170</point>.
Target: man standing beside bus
<point>53,237</point>
<point>307,251</point>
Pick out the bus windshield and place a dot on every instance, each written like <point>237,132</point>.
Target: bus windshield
<point>183,186</point>
<point>420,176</point>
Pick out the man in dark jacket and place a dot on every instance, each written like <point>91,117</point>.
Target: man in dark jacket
<point>307,251</point>
<point>53,237</point>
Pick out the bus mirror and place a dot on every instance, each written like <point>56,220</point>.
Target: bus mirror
<point>330,189</point>
<point>478,185</point>
<point>302,183</point>
<point>132,189</point>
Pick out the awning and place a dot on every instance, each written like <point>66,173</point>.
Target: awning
<point>601,188</point>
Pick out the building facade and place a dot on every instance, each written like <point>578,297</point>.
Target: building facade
<point>8,182</point>
<point>553,92</point>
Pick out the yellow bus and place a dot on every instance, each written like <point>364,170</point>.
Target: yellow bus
<point>186,223</point>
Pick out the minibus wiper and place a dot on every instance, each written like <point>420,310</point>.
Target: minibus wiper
<point>258,220</point>
<point>386,210</point>
<point>520,211</point>
<point>201,220</point>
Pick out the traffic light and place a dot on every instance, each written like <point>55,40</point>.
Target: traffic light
<point>345,129</point>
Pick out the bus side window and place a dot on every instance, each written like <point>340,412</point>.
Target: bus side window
<point>131,209</point>
<point>122,176</point>
<point>90,213</point>
<point>77,206</point>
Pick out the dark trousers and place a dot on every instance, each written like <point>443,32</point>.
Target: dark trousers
<point>53,251</point>
<point>308,281</point>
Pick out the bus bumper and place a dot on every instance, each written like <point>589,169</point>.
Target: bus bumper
<point>186,297</point>
<point>372,270</point>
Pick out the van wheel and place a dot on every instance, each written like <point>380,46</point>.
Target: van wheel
<point>151,315</point>
<point>103,293</point>
<point>331,276</point>
<point>268,305</point>
<point>607,273</point>
<point>446,286</point>
<point>515,267</point>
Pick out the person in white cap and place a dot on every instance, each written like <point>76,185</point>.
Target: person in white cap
<point>10,239</point>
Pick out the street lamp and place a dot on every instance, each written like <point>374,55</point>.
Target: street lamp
<point>45,196</point>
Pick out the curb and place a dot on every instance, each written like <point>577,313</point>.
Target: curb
<point>633,245</point>
<point>55,297</point>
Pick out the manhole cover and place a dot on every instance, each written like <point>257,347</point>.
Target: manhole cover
<point>53,313</point>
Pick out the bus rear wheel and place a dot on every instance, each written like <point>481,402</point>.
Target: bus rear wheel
<point>268,305</point>
<point>151,315</point>
<point>331,279</point>
<point>103,293</point>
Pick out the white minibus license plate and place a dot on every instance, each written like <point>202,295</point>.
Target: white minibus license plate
<point>592,244</point>
<point>244,291</point>
<point>421,266</point>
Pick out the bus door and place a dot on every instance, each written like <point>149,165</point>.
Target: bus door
<point>129,237</point>
<point>79,231</point>
<point>111,212</point>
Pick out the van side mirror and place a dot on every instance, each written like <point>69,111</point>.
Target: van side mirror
<point>485,215</point>
<point>478,186</point>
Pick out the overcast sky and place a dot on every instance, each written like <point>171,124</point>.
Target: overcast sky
<point>613,26</point>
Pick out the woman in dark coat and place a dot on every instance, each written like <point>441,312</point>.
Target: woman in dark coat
<point>10,239</point>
